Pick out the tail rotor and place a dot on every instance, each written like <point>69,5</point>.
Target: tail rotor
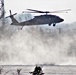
<point>11,15</point>
<point>10,12</point>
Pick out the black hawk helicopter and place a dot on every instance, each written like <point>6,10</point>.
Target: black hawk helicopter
<point>39,20</point>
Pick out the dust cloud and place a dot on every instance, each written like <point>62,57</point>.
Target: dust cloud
<point>38,45</point>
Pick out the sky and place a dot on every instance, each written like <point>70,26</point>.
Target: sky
<point>45,5</point>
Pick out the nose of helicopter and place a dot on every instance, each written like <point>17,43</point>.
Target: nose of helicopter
<point>61,20</point>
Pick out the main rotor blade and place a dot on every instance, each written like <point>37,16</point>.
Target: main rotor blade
<point>58,11</point>
<point>29,12</point>
<point>38,11</point>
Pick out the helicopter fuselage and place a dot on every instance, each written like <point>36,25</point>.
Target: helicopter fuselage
<point>43,19</point>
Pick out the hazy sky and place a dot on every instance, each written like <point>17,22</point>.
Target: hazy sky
<point>46,5</point>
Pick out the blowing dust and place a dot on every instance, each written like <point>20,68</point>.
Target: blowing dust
<point>37,45</point>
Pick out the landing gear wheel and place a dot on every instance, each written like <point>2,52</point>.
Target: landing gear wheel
<point>54,24</point>
<point>49,24</point>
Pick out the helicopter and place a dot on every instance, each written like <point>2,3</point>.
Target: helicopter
<point>39,20</point>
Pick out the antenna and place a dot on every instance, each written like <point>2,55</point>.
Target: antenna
<point>2,11</point>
